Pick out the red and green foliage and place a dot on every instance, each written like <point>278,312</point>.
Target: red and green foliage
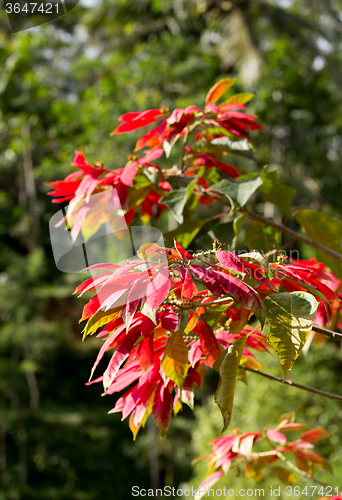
<point>168,315</point>
<point>237,449</point>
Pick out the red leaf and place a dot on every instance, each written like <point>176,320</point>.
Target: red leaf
<point>90,308</point>
<point>242,292</point>
<point>80,218</point>
<point>195,353</point>
<point>218,90</point>
<point>125,377</point>
<point>230,260</point>
<point>276,436</point>
<point>162,408</point>
<point>119,356</point>
<point>189,289</point>
<point>151,139</point>
<point>108,344</point>
<point>182,253</point>
<point>103,267</point>
<point>212,348</point>
<point>108,301</point>
<point>169,320</point>
<point>145,352</point>
<point>209,281</point>
<point>158,289</point>
<point>207,483</point>
<point>128,174</point>
<point>314,435</point>
<point>150,156</point>
<point>133,121</point>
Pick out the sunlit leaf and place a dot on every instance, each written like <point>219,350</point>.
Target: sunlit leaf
<point>241,98</point>
<point>218,90</point>
<point>175,361</point>
<point>227,366</point>
<point>285,476</point>
<point>177,199</point>
<point>236,192</point>
<point>290,316</point>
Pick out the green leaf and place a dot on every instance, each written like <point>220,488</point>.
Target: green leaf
<point>240,98</point>
<point>238,223</point>
<point>153,175</point>
<point>290,316</point>
<point>100,318</point>
<point>190,206</point>
<point>285,476</point>
<point>242,376</point>
<point>214,315</point>
<point>178,182</point>
<point>92,223</point>
<point>237,192</point>
<point>227,365</point>
<point>147,311</point>
<point>324,229</point>
<point>141,180</point>
<point>240,147</point>
<point>177,199</point>
<point>275,191</point>
<point>261,238</point>
<point>137,196</point>
<point>175,362</point>
<point>185,233</point>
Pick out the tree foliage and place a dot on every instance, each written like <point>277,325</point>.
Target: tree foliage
<point>167,313</point>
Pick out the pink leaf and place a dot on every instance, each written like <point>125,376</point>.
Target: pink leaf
<point>118,358</point>
<point>276,436</point>
<point>128,174</point>
<point>162,408</point>
<point>207,483</point>
<point>158,289</point>
<point>169,320</point>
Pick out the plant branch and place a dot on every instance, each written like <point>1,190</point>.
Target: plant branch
<point>327,333</point>
<point>290,232</point>
<point>194,305</point>
<point>299,471</point>
<point>292,466</point>
<point>294,235</point>
<point>328,395</point>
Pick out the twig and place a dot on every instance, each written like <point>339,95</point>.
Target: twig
<point>327,333</point>
<point>294,384</point>
<point>296,236</point>
<point>194,305</point>
<point>267,222</point>
<point>299,471</point>
<point>185,140</point>
<point>292,466</point>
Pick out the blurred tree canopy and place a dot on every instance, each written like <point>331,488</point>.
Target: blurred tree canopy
<point>63,86</point>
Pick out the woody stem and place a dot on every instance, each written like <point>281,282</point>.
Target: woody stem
<point>328,395</point>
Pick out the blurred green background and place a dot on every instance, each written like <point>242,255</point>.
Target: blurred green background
<point>63,86</point>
